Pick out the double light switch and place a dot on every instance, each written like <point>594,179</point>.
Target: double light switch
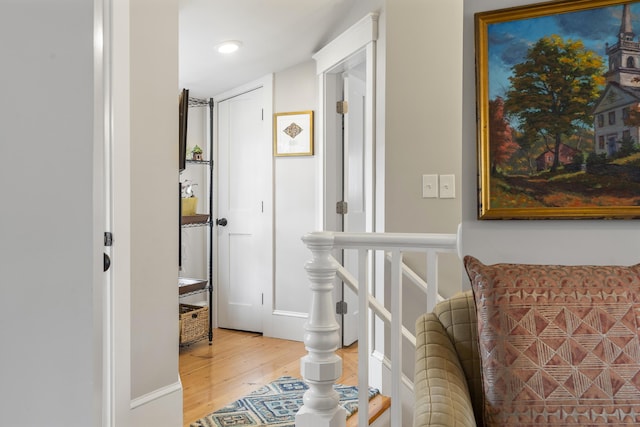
<point>434,186</point>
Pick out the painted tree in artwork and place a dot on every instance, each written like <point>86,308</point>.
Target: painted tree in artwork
<point>555,89</point>
<point>527,141</point>
<point>501,144</point>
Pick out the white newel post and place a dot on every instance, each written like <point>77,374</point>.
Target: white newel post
<point>322,367</point>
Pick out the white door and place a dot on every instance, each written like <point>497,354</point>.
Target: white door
<point>353,190</point>
<point>244,193</point>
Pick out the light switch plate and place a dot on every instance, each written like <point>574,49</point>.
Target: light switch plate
<point>429,186</point>
<point>447,186</point>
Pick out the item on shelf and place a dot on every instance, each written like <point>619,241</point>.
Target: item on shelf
<point>196,153</point>
<point>194,219</point>
<point>186,285</point>
<point>189,205</point>
<point>194,323</point>
<point>186,188</point>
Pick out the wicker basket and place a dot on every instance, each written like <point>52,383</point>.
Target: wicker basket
<point>194,323</point>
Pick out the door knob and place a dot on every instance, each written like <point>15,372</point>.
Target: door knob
<point>221,222</point>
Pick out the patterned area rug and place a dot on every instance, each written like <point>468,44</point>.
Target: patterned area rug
<point>275,404</point>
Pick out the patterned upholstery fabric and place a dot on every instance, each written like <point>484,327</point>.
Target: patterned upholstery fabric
<point>558,344</point>
<point>447,382</point>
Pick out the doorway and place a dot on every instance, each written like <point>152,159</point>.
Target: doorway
<point>346,68</point>
<point>354,217</point>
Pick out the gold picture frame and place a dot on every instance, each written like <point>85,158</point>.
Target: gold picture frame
<point>558,77</point>
<point>293,133</point>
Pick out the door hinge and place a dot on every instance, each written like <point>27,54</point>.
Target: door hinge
<point>342,107</point>
<point>342,207</point>
<point>108,238</point>
<point>341,307</point>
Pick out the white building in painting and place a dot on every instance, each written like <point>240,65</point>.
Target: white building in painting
<point>622,93</point>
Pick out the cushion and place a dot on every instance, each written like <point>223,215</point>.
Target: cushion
<point>558,344</point>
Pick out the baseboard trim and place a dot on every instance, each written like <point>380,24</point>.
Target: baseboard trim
<point>160,408</point>
<point>156,394</point>
<point>288,325</point>
<point>286,313</point>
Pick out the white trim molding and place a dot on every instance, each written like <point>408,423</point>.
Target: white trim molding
<point>357,45</point>
<point>157,394</point>
<point>297,314</point>
<point>161,407</point>
<point>287,325</point>
<point>355,38</point>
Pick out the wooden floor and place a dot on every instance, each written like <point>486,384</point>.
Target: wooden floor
<point>239,362</point>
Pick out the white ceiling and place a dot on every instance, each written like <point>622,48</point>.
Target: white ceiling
<point>276,34</point>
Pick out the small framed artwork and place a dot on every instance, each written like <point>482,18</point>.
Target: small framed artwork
<point>558,92</point>
<point>293,134</point>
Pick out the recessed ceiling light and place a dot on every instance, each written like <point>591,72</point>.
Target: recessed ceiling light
<point>229,46</point>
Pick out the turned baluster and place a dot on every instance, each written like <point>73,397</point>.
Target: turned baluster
<point>322,367</point>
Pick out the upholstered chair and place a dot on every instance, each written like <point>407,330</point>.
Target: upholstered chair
<point>447,383</point>
<point>559,345</point>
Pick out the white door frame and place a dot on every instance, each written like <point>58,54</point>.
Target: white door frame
<point>266,83</point>
<point>354,46</point>
<point>103,282</point>
<point>114,22</point>
<point>357,41</point>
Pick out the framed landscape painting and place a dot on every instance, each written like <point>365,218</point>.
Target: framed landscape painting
<point>558,102</point>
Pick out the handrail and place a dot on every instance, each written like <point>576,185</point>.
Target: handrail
<point>402,241</point>
<point>322,367</point>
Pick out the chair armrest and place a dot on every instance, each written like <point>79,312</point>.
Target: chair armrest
<point>441,393</point>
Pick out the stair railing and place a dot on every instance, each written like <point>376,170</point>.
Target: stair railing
<point>321,367</point>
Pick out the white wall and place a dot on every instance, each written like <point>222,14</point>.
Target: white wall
<point>143,79</point>
<point>430,128</point>
<point>296,184</point>
<point>295,89</point>
<point>422,133</point>
<point>50,252</point>
<point>532,241</point>
<point>422,111</point>
<point>423,129</point>
<point>154,209</point>
<point>359,9</point>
